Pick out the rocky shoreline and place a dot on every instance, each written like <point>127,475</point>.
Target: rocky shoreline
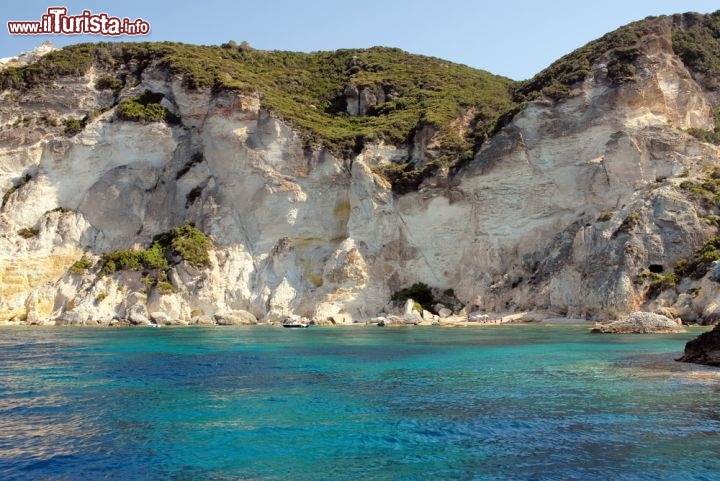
<point>705,349</point>
<point>245,318</point>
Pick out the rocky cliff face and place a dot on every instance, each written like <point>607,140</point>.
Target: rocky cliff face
<point>561,211</point>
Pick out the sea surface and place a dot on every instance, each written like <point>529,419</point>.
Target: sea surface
<point>535,402</point>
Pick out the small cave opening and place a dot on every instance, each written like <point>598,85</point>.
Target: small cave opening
<point>656,268</point>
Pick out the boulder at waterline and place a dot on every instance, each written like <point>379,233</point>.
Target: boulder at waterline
<point>235,318</point>
<point>705,349</point>
<point>640,323</point>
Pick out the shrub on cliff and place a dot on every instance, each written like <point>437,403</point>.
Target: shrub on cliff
<point>706,191</point>
<point>28,232</point>
<point>15,187</point>
<point>73,127</point>
<point>125,259</point>
<point>709,136</point>
<point>186,242</point>
<point>145,108</point>
<point>81,265</point>
<point>109,82</point>
<point>192,245</point>
<point>696,40</point>
<point>660,282</point>
<point>404,177</point>
<point>701,261</point>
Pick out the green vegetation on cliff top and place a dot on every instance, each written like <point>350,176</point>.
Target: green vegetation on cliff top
<point>463,105</point>
<point>555,81</point>
<point>695,38</point>
<point>307,89</point>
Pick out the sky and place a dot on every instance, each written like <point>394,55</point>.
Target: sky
<point>514,39</point>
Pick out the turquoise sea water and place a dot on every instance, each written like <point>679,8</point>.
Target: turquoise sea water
<point>498,403</point>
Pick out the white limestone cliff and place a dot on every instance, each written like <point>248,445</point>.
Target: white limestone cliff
<point>28,57</point>
<point>556,213</point>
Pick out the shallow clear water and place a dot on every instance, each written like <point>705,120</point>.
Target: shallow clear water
<point>498,403</point>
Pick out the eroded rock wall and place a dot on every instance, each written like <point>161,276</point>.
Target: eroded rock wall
<point>558,212</point>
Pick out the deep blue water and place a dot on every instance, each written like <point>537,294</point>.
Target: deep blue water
<point>496,403</point>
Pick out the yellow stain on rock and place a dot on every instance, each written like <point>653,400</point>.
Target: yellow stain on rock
<point>342,210</point>
<point>20,275</point>
<point>312,272</point>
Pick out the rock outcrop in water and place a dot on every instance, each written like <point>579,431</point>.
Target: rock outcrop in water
<point>640,323</point>
<point>705,349</point>
<point>582,200</point>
